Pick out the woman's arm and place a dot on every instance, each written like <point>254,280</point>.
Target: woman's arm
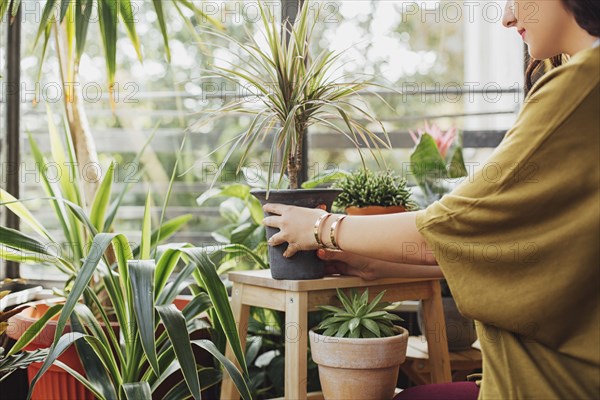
<point>392,237</point>
<point>344,263</point>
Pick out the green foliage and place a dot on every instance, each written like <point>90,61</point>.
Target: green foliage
<point>77,16</point>
<point>153,340</point>
<point>265,354</point>
<point>242,243</point>
<point>358,318</point>
<point>366,188</point>
<point>325,178</point>
<point>432,170</point>
<point>294,89</point>
<point>77,222</point>
<point>22,360</point>
<point>11,363</point>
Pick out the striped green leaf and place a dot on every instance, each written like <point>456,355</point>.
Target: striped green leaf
<point>137,391</point>
<point>83,12</point>
<point>128,18</point>
<point>34,330</point>
<point>207,277</point>
<point>59,347</point>
<point>14,205</point>
<point>141,274</point>
<point>146,229</point>
<point>99,245</point>
<point>102,198</point>
<point>234,373</point>
<point>160,15</point>
<point>108,20</point>
<point>175,325</point>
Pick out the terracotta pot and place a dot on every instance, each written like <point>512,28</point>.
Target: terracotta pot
<point>56,383</point>
<point>304,264</point>
<point>358,368</point>
<point>374,210</point>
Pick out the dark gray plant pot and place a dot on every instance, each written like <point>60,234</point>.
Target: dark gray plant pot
<point>460,330</point>
<point>304,264</point>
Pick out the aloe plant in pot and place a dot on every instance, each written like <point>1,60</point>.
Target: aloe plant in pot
<point>358,348</point>
<point>292,89</point>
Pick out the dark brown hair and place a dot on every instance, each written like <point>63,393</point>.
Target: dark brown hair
<point>587,15</point>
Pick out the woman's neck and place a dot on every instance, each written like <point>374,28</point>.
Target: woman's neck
<point>579,40</point>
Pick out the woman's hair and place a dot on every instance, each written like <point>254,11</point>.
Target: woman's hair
<point>587,15</point>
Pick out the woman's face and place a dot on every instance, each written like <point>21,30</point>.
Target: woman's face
<point>541,23</point>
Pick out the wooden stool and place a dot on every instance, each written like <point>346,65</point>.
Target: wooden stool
<point>297,298</point>
<point>417,366</point>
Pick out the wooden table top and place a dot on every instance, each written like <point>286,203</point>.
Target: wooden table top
<point>263,278</point>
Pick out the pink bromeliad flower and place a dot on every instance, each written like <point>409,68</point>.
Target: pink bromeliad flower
<point>443,140</point>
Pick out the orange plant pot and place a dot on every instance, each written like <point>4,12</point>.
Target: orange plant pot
<point>374,210</point>
<point>56,383</point>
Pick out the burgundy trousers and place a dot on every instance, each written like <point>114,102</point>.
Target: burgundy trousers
<point>441,391</point>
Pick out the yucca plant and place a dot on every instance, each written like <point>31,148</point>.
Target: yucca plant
<point>365,188</point>
<point>153,340</point>
<point>111,281</point>
<point>291,89</point>
<point>68,23</point>
<point>358,318</point>
<point>77,221</point>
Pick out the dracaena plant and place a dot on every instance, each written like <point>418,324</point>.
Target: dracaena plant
<point>153,338</point>
<point>358,318</point>
<point>365,188</point>
<point>291,89</point>
<point>436,158</point>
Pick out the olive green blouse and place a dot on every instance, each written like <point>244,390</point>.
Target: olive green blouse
<point>519,243</point>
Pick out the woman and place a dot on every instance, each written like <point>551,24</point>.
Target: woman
<point>518,242</point>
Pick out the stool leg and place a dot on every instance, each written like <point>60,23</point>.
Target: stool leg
<point>435,332</point>
<point>241,313</point>
<point>296,345</point>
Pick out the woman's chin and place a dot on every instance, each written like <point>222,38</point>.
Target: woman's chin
<point>540,54</point>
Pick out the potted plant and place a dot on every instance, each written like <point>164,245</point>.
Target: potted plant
<point>291,89</point>
<point>79,225</point>
<point>13,294</point>
<point>358,348</point>
<point>437,159</point>
<point>369,193</point>
<point>9,364</point>
<point>149,338</point>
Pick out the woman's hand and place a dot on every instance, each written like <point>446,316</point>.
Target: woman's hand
<point>295,226</point>
<point>344,263</point>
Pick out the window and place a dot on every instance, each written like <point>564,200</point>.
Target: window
<point>445,61</point>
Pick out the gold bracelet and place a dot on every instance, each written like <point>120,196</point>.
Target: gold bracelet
<point>317,229</point>
<point>333,231</point>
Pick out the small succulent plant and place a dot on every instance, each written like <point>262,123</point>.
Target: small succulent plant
<point>358,318</point>
<point>366,188</point>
